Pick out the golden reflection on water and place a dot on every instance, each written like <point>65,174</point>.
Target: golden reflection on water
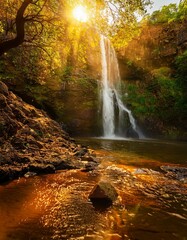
<point>16,205</point>
<point>57,206</point>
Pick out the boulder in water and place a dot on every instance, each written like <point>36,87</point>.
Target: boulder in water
<point>103,194</point>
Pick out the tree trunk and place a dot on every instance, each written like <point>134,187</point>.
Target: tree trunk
<point>20,30</point>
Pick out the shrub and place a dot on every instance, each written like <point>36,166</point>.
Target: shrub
<point>161,99</point>
<point>181,68</point>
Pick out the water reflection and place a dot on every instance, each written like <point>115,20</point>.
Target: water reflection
<point>163,151</point>
<point>150,205</point>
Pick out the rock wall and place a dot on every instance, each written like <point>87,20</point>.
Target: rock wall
<point>32,143</point>
<point>155,47</point>
<point>147,65</point>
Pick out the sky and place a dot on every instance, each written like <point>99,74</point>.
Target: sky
<point>159,3</point>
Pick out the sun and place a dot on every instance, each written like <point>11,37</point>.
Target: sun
<point>80,14</point>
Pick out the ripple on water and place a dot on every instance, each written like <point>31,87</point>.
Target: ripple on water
<point>57,206</point>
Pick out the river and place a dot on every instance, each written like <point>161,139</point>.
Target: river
<point>152,204</point>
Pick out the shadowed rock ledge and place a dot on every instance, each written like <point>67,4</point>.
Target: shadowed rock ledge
<point>32,142</point>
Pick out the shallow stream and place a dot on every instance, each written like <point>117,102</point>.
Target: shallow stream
<point>152,204</point>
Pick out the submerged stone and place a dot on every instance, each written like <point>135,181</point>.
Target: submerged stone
<point>179,173</point>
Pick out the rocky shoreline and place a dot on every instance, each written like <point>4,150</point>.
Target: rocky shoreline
<point>32,143</point>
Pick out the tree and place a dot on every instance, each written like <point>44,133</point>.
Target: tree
<point>25,20</point>
<point>182,9</point>
<point>165,15</point>
<point>20,29</point>
<point>111,15</point>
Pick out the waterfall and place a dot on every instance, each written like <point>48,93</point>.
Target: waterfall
<point>114,110</point>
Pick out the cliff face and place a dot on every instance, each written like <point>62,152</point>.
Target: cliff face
<point>155,47</point>
<point>155,93</point>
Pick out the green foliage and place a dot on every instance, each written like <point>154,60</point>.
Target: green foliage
<point>182,10</point>
<point>110,16</point>
<point>161,72</point>
<point>181,78</point>
<point>162,99</point>
<point>181,68</point>
<point>169,13</point>
<point>169,98</point>
<point>166,14</point>
<point>65,56</point>
<point>141,101</point>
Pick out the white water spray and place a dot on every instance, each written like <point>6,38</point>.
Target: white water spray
<point>111,99</point>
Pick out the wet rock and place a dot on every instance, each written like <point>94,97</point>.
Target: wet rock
<point>42,168</point>
<point>20,159</point>
<point>3,89</point>
<point>93,237</point>
<point>179,173</point>
<point>89,159</point>
<point>145,171</point>
<point>113,236</point>
<point>16,172</point>
<point>89,166</point>
<point>18,143</point>
<point>116,172</point>
<point>89,237</point>
<point>3,102</point>
<point>8,173</point>
<point>4,175</point>
<point>81,152</point>
<point>64,164</point>
<point>91,152</point>
<point>2,160</point>
<point>140,171</point>
<point>30,174</point>
<point>103,194</point>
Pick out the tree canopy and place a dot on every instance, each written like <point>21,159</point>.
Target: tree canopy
<point>169,13</point>
<point>27,20</point>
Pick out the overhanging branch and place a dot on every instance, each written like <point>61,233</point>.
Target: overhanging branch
<point>20,30</point>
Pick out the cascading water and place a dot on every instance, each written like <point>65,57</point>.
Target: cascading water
<point>113,109</point>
